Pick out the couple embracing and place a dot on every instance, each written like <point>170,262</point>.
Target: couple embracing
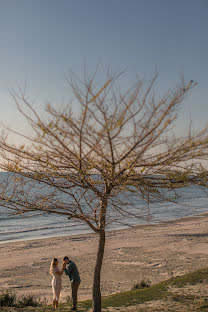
<point>70,269</point>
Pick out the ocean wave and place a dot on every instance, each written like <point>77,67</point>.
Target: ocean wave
<point>39,228</point>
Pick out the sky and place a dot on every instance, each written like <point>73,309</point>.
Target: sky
<point>42,41</point>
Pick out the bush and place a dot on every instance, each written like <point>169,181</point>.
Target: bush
<point>29,300</point>
<point>141,285</point>
<point>7,299</point>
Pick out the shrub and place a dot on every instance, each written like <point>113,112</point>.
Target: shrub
<point>7,299</point>
<point>28,300</point>
<point>141,285</point>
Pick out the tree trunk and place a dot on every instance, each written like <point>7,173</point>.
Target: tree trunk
<point>97,272</point>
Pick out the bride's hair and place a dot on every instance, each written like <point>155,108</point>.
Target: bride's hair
<point>53,264</point>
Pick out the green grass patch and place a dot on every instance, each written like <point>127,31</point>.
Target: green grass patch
<point>193,278</point>
<point>155,292</point>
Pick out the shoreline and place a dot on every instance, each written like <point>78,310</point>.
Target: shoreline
<point>152,252</point>
<point>88,231</point>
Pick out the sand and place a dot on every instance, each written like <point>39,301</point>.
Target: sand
<point>150,252</point>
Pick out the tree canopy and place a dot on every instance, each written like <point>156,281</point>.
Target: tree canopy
<point>92,163</point>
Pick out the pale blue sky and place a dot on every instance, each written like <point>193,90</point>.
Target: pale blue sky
<point>42,40</point>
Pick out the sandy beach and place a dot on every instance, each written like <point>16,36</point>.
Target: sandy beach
<point>149,252</point>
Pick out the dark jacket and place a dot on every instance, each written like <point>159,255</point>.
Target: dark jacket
<point>72,271</point>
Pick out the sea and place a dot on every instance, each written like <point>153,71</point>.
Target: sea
<point>193,202</point>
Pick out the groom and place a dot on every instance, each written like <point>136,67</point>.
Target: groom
<point>71,270</point>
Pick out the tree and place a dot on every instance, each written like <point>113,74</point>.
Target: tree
<point>93,163</point>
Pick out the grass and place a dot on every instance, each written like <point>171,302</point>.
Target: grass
<point>155,292</point>
<point>176,301</point>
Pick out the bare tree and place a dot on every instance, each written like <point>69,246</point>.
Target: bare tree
<point>94,163</point>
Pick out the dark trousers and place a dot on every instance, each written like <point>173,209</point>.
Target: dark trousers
<point>74,288</point>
